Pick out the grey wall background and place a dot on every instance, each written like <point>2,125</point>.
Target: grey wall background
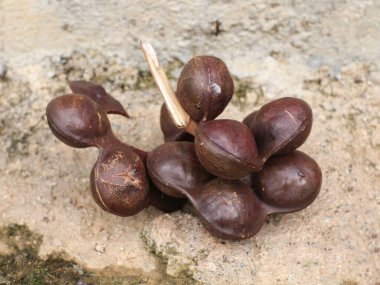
<point>318,32</point>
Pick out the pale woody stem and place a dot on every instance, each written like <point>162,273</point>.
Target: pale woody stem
<point>180,118</point>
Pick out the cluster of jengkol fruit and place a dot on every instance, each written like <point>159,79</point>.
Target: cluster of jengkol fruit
<point>234,173</point>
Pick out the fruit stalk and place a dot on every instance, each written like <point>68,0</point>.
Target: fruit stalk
<point>180,118</point>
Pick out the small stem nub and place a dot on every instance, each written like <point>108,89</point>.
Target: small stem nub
<point>180,118</point>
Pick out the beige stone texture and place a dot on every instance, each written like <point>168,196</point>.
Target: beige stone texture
<point>325,52</point>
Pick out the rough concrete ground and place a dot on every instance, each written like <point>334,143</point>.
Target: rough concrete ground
<point>326,53</point>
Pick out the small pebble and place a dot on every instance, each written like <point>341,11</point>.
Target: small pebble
<point>100,248</point>
<point>212,266</point>
<point>50,74</point>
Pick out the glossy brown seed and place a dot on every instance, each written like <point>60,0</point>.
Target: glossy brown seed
<point>281,126</point>
<point>99,95</point>
<point>229,209</point>
<point>118,181</point>
<point>288,183</point>
<point>175,169</point>
<point>205,87</point>
<point>226,148</point>
<point>77,120</point>
<point>169,129</point>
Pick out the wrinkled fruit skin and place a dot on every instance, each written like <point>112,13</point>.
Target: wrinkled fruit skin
<point>205,87</point>
<point>119,183</point>
<point>288,183</point>
<point>281,126</point>
<point>226,148</point>
<point>77,120</point>
<point>174,168</point>
<point>229,209</point>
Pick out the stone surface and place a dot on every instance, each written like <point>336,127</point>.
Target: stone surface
<point>325,52</point>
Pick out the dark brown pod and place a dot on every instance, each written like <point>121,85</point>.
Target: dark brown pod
<point>281,126</point>
<point>158,199</point>
<point>77,120</point>
<point>288,183</point>
<point>226,148</point>
<point>118,181</point>
<point>229,209</point>
<point>169,129</point>
<point>99,95</point>
<point>164,202</point>
<point>175,168</point>
<point>205,87</point>
<point>249,119</point>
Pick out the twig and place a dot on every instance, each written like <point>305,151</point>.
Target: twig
<point>179,116</point>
